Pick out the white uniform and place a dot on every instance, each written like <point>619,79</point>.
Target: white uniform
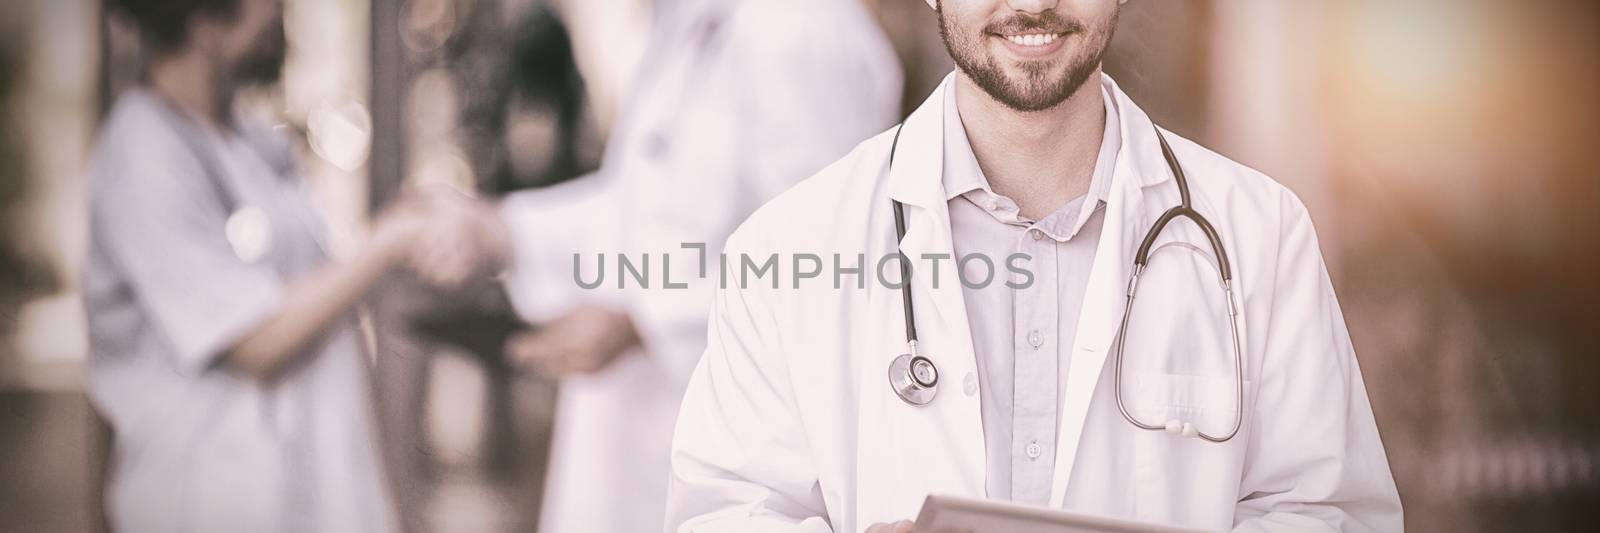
<point>736,101</point>
<point>199,446</point>
<point>789,423</point>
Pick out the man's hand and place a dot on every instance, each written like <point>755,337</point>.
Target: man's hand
<point>903,526</point>
<point>582,341</point>
<point>395,230</point>
<point>463,236</point>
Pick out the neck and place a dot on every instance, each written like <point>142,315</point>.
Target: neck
<point>1039,159</point>
<point>190,82</point>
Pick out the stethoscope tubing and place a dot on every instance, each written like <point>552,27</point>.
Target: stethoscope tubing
<point>1184,209</point>
<point>1141,259</point>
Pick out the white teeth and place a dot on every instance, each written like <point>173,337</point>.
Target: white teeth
<point>1033,39</point>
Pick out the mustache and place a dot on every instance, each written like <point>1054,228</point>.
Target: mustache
<point>1044,22</point>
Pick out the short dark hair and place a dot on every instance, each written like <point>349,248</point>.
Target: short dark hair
<point>164,24</point>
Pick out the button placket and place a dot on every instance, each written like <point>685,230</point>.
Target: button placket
<point>1036,315</point>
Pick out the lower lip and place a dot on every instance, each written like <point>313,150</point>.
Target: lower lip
<point>1032,52</point>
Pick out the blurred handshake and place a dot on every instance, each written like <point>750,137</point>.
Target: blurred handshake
<point>449,239</point>
<point>441,235</point>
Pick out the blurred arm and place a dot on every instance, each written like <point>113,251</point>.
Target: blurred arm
<point>164,227</point>
<point>314,301</point>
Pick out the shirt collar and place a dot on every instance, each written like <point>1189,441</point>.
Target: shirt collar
<point>963,177</point>
<point>961,171</point>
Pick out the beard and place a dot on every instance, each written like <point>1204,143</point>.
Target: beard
<point>264,64</point>
<point>1036,85</point>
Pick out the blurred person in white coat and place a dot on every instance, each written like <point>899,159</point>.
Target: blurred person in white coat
<point>1044,385</point>
<point>735,101</point>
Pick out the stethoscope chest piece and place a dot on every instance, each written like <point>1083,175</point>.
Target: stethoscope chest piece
<point>914,379</point>
<point>249,232</point>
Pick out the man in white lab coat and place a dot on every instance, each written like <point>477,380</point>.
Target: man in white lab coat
<point>1028,181</point>
<point>735,101</point>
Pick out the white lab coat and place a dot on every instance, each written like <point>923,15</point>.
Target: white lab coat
<point>789,423</point>
<point>735,102</point>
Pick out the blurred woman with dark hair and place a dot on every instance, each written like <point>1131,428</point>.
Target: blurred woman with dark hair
<point>224,352</point>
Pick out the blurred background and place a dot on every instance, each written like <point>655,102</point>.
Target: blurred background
<point>1446,149</point>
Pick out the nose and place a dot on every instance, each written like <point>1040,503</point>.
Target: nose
<point>1032,6</point>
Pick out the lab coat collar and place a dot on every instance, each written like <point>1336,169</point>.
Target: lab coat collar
<point>1140,159</point>
<point>916,161</point>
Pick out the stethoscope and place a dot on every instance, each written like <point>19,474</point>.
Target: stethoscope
<point>915,378</point>
<point>248,228</point>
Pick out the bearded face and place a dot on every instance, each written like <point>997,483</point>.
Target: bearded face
<point>262,62</point>
<point>1028,61</point>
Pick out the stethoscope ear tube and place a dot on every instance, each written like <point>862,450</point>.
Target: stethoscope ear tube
<point>1184,209</point>
<point>905,263</point>
<point>1175,426</point>
<point>905,275</point>
<point>1142,256</point>
<point>1141,259</point>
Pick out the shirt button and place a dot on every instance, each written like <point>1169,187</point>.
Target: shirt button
<point>1036,234</point>
<point>1033,450</point>
<point>1035,339</point>
<point>970,384</point>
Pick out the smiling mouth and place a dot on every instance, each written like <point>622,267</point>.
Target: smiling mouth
<point>1032,39</point>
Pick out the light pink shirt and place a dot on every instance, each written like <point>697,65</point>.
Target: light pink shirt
<point>1022,336</point>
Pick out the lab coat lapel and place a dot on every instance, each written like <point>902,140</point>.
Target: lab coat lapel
<point>1139,165</point>
<point>907,452</point>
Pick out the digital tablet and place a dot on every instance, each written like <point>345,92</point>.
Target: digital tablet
<point>949,514</point>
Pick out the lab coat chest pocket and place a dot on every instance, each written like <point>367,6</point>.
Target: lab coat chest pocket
<point>1180,365</point>
<point>1185,480</point>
